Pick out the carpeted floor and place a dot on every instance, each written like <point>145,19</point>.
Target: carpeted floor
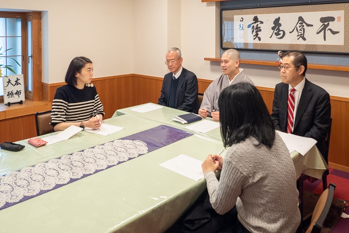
<point>341,180</point>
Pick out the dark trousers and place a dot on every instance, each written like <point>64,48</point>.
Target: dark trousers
<point>236,226</point>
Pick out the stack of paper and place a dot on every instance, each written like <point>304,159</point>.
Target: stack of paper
<point>297,143</point>
<point>186,166</point>
<point>146,108</point>
<point>105,129</point>
<point>204,126</point>
<point>64,135</point>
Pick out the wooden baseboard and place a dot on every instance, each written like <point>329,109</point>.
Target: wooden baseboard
<point>338,167</point>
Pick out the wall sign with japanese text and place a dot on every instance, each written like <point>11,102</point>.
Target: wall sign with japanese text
<point>13,89</point>
<point>318,28</point>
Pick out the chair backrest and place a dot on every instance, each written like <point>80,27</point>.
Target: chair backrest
<point>321,209</point>
<point>200,97</point>
<point>42,120</point>
<point>327,139</point>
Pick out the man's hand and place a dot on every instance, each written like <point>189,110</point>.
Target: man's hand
<point>215,115</point>
<point>203,112</point>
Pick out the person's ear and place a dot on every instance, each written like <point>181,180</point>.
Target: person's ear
<point>301,70</point>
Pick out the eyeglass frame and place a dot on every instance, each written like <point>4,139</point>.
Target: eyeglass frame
<point>281,67</point>
<point>172,61</point>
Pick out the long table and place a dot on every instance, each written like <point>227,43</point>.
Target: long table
<point>136,196</point>
<point>311,164</point>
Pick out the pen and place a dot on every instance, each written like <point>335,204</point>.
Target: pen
<point>218,154</point>
<point>206,110</point>
<point>98,119</point>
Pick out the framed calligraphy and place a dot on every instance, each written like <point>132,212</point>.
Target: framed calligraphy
<point>315,28</point>
<point>13,89</point>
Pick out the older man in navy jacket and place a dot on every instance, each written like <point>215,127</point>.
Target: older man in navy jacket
<point>180,86</point>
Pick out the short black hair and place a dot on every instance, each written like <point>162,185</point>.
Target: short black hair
<point>298,61</point>
<point>75,66</point>
<point>242,114</point>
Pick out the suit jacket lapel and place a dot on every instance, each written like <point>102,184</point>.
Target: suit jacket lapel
<point>306,96</point>
<point>168,88</point>
<point>181,79</point>
<point>283,107</point>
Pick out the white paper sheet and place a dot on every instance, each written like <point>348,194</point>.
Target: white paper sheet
<point>105,129</point>
<point>146,108</point>
<point>186,166</point>
<point>297,143</point>
<point>203,126</point>
<point>64,135</point>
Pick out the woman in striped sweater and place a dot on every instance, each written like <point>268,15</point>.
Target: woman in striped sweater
<point>77,103</point>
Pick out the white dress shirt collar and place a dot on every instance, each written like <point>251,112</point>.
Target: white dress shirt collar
<point>178,73</point>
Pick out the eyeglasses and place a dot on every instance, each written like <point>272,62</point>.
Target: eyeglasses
<point>170,61</point>
<point>284,67</point>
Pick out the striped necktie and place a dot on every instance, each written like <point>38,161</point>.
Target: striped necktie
<point>290,109</point>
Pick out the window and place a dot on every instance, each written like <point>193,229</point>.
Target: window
<point>17,34</point>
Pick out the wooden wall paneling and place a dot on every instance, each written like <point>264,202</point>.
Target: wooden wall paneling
<point>124,90</point>
<point>45,91</point>
<point>268,97</point>
<point>11,130</point>
<point>52,90</point>
<point>29,126</point>
<point>115,92</point>
<point>2,115</point>
<point>104,89</point>
<point>37,56</point>
<point>148,89</point>
<point>339,146</point>
<point>203,85</point>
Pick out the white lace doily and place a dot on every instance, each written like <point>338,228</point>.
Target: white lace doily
<point>29,181</point>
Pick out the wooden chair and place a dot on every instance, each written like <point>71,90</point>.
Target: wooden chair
<point>42,120</point>
<point>327,140</point>
<point>321,210</point>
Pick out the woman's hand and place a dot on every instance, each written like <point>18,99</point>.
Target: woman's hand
<point>220,161</point>
<point>210,164</point>
<point>94,123</point>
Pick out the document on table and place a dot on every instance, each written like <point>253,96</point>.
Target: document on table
<point>186,166</point>
<point>297,143</point>
<point>62,136</point>
<point>203,126</point>
<point>146,108</point>
<point>105,129</point>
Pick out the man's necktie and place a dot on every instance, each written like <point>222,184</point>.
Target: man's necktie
<point>290,109</point>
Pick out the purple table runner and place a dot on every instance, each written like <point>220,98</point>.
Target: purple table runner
<point>33,181</point>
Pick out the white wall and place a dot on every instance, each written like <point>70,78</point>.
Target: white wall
<point>150,37</point>
<point>100,30</point>
<point>124,36</point>
<point>198,41</point>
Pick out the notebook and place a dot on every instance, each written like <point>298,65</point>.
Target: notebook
<point>187,118</point>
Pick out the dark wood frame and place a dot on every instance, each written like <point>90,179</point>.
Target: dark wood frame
<point>333,49</point>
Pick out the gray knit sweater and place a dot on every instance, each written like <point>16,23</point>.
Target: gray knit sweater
<point>261,182</point>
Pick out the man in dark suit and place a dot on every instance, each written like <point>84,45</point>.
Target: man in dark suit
<point>308,113</point>
<point>180,86</point>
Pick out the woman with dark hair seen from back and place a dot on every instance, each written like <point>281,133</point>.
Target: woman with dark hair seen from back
<point>77,103</point>
<point>258,177</point>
